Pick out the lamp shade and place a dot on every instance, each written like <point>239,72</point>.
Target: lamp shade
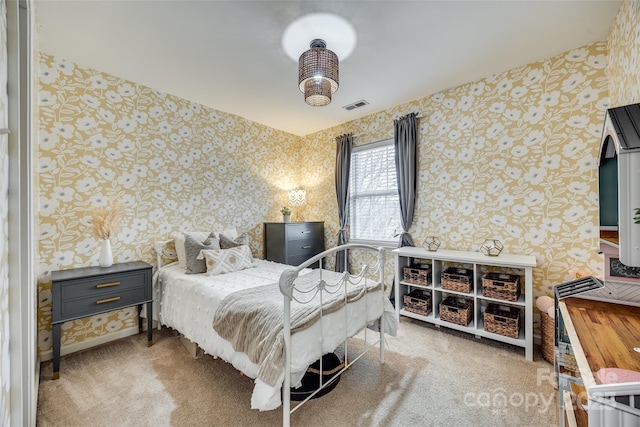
<point>297,197</point>
<point>318,70</point>
<point>317,92</point>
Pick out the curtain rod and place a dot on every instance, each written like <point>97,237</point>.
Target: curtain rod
<point>418,116</point>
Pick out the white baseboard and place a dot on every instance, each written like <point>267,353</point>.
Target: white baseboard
<point>83,345</point>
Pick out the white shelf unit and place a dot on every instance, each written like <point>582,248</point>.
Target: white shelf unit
<point>479,264</point>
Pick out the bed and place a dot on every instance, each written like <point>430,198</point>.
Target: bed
<point>264,317</point>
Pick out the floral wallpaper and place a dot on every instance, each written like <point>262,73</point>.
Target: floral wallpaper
<point>4,228</point>
<point>173,165</point>
<point>512,156</point>
<point>623,68</point>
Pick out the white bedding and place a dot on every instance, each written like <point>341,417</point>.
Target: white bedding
<point>187,303</point>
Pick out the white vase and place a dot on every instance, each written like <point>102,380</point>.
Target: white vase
<point>287,218</point>
<point>106,256</point>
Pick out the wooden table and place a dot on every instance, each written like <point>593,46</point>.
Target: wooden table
<point>602,335</point>
<point>606,334</point>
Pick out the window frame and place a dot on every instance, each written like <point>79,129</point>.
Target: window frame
<point>365,147</point>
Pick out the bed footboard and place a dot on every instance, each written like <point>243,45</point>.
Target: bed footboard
<point>350,288</point>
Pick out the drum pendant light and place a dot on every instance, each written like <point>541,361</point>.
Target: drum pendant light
<point>318,73</point>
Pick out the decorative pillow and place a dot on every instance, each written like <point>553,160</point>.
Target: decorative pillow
<point>192,248</point>
<point>200,236</point>
<point>178,240</point>
<point>227,260</point>
<point>230,242</point>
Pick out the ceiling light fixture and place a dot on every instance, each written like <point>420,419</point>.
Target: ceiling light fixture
<point>323,29</point>
<point>318,70</point>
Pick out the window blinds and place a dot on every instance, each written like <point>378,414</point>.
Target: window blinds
<point>374,209</point>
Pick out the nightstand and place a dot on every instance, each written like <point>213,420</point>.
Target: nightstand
<point>293,242</point>
<point>83,292</point>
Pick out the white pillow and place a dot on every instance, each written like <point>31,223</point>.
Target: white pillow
<point>200,236</point>
<point>220,261</point>
<point>231,233</point>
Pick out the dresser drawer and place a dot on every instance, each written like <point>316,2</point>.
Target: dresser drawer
<point>307,247</point>
<point>99,303</point>
<point>101,286</point>
<point>304,230</point>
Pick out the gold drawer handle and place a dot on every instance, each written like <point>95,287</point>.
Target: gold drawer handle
<point>306,247</point>
<point>102,301</point>
<point>106,285</point>
<point>305,232</point>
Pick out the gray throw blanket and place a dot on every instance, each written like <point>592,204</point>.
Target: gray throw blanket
<point>252,320</point>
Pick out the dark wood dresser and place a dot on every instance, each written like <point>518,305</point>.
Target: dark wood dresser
<point>294,242</point>
<point>83,292</point>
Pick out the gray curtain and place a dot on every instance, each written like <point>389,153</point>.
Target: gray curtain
<point>344,143</point>
<point>405,141</point>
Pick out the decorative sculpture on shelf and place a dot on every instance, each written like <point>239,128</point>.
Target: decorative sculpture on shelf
<point>491,247</point>
<point>431,243</point>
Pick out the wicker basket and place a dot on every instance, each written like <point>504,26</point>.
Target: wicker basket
<point>566,358</point>
<point>456,310</point>
<point>502,320</point>
<point>547,329</point>
<point>417,274</point>
<point>501,286</point>
<point>457,279</point>
<point>418,301</point>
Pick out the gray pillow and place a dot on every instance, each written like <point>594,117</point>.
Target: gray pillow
<point>192,249</point>
<point>227,243</point>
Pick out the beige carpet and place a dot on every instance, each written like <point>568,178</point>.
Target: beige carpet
<point>432,377</point>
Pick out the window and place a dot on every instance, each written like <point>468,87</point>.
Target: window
<point>374,207</point>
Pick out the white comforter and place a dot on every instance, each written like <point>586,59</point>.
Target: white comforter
<point>187,303</point>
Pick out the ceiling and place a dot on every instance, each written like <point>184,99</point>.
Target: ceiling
<point>228,54</point>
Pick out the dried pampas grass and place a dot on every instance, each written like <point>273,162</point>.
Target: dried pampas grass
<point>105,221</point>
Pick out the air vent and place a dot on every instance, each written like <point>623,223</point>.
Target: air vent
<point>577,286</point>
<point>356,104</point>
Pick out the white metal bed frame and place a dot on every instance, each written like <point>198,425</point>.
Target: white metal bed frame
<point>289,291</point>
